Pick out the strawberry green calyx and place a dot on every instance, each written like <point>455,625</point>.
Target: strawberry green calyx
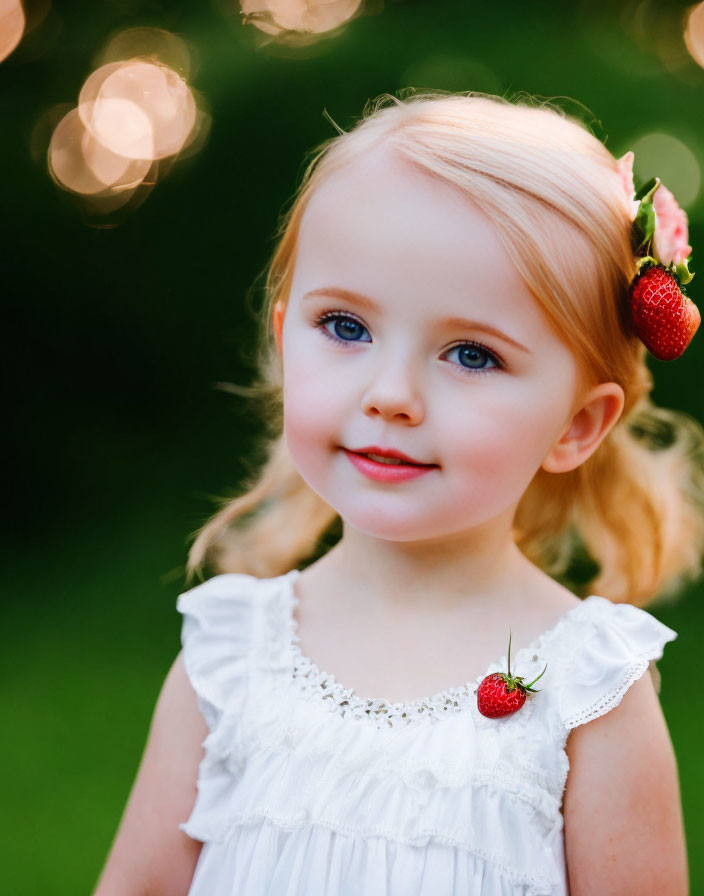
<point>680,271</point>
<point>516,681</point>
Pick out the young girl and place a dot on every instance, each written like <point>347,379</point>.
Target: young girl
<point>454,376</point>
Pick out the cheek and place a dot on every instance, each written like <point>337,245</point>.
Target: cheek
<point>506,433</point>
<point>311,410</point>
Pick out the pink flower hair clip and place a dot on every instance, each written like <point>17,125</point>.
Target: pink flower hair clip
<point>662,315</point>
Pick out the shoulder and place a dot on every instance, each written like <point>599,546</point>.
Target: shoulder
<point>604,648</point>
<point>223,586</point>
<point>217,636</point>
<point>546,609</point>
<point>216,609</point>
<point>624,761</point>
<point>223,598</point>
<point>548,600</point>
<point>559,601</point>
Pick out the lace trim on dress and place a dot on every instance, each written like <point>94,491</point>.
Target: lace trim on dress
<point>322,685</point>
<point>319,685</point>
<point>613,698</point>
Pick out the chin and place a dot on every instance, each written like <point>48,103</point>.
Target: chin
<point>387,526</point>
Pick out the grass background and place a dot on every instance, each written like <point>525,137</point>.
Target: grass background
<point>114,339</point>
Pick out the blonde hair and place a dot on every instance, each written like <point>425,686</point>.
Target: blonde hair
<point>635,507</point>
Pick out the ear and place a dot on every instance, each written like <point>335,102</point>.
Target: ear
<point>277,317</point>
<point>599,412</point>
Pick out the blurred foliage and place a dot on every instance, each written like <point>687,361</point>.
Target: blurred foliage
<point>116,337</point>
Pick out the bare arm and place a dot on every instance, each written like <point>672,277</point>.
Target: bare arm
<point>624,833</point>
<point>150,856</point>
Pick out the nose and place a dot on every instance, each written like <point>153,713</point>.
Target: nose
<point>394,393</point>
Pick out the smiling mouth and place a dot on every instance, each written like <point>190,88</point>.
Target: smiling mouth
<point>391,461</point>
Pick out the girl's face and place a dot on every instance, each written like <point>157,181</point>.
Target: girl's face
<point>407,327</point>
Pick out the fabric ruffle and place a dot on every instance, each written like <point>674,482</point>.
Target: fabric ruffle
<point>297,790</point>
<point>614,646</point>
<point>216,637</point>
<point>266,859</point>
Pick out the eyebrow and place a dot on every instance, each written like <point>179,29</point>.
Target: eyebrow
<point>336,292</point>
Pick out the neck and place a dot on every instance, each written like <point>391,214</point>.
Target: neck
<point>392,578</point>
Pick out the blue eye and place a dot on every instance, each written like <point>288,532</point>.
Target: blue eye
<point>344,325</point>
<point>348,329</point>
<point>474,353</point>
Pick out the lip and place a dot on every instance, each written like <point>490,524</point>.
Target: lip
<point>387,472</point>
<point>390,452</point>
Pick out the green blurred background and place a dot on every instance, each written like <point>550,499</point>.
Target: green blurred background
<point>117,336</point>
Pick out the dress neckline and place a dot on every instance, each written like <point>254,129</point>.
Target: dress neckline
<point>447,698</point>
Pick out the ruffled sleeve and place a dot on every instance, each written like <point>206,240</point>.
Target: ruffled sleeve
<point>216,637</point>
<point>614,645</point>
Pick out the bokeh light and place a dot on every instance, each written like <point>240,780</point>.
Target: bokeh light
<point>12,23</point>
<point>669,158</point>
<point>138,109</point>
<point>132,114</point>
<point>694,33</point>
<point>656,28</point>
<point>307,16</point>
<point>642,38</point>
<point>81,164</point>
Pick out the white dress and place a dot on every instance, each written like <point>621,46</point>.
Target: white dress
<point>308,789</point>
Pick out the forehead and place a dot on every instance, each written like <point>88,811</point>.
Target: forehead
<point>383,228</point>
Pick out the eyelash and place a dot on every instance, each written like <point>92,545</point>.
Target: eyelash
<point>327,316</point>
